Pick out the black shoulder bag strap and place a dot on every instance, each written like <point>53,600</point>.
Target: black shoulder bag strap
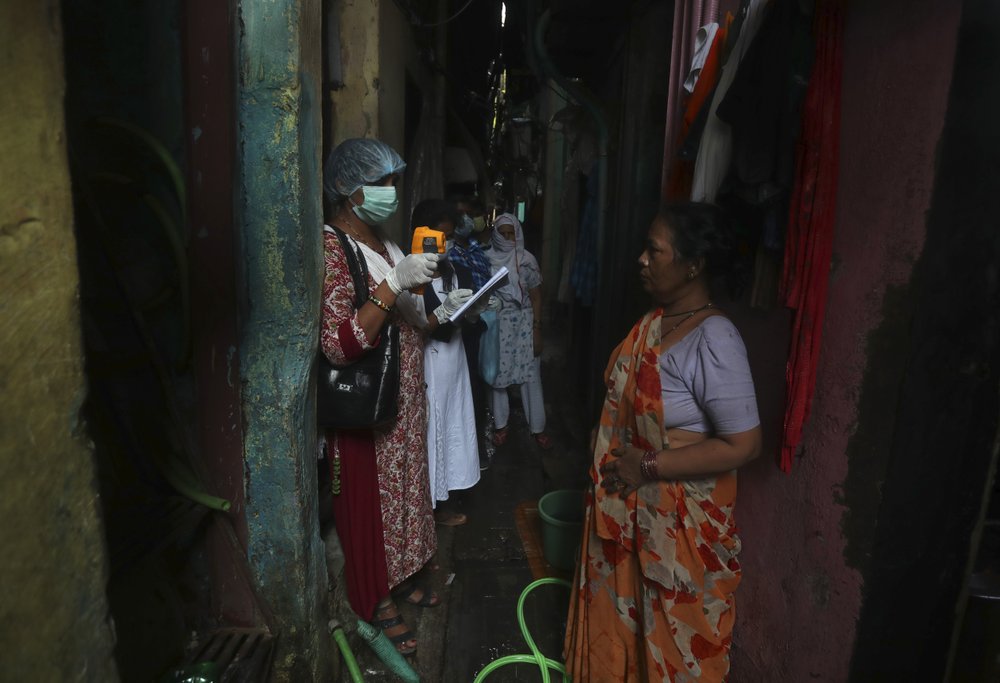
<point>363,394</point>
<point>356,264</point>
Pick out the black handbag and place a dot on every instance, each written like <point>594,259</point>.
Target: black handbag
<point>363,394</point>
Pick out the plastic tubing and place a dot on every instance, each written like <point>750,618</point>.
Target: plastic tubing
<point>182,483</point>
<point>536,657</point>
<point>345,650</point>
<point>387,652</point>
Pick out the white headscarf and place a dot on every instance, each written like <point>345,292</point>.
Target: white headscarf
<point>514,257</point>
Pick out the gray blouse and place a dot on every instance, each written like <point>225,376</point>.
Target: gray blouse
<point>705,381</point>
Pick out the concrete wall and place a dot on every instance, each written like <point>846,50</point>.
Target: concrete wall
<point>944,414</point>
<point>377,52</point>
<point>54,623</point>
<point>279,216</point>
<point>356,103</point>
<point>807,535</point>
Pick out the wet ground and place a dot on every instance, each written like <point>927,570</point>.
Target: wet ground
<point>489,561</point>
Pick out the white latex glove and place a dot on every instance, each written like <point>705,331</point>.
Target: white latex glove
<point>452,303</point>
<point>476,309</point>
<point>414,270</point>
<point>495,303</point>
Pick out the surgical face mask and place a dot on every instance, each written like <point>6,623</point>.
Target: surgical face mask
<point>464,227</point>
<point>380,203</point>
<point>478,223</point>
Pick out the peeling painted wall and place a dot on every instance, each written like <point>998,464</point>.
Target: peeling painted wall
<point>54,623</point>
<point>356,104</point>
<point>279,214</point>
<point>805,540</point>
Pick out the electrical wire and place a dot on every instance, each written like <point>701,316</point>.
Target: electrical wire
<point>416,21</point>
<point>451,18</point>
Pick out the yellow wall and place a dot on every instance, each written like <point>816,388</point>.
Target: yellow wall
<point>377,50</point>
<point>54,623</point>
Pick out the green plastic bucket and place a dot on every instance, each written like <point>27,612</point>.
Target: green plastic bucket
<point>562,522</point>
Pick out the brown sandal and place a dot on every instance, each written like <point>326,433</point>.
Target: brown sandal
<point>450,518</point>
<point>408,589</point>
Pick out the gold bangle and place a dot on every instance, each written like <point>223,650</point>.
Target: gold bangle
<point>647,466</point>
<point>378,302</point>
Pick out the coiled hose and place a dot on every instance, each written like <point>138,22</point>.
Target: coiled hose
<point>536,657</point>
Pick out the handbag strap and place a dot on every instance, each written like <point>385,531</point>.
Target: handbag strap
<point>356,264</point>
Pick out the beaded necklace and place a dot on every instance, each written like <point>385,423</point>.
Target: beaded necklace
<point>687,316</point>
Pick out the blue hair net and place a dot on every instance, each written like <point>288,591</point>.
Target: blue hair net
<point>357,162</point>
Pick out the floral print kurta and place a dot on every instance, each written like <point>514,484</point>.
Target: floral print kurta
<point>401,452</point>
<point>517,340</point>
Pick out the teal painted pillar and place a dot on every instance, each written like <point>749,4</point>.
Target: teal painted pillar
<point>280,217</point>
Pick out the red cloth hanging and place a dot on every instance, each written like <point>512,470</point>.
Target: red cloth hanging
<point>812,211</point>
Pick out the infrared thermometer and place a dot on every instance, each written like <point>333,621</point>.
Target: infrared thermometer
<point>427,241</point>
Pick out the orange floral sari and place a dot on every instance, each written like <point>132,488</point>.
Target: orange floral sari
<point>657,572</point>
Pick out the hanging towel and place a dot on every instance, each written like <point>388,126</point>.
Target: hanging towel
<point>702,46</point>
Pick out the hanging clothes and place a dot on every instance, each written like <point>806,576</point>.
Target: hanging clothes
<point>581,163</point>
<point>703,42</point>
<point>715,151</point>
<point>678,182</point>
<point>583,276</point>
<point>689,17</point>
<point>763,105</point>
<point>809,240</point>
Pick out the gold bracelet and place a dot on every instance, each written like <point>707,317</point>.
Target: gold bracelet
<point>378,302</point>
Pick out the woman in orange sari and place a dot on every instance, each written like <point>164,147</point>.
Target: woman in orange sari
<point>654,588</point>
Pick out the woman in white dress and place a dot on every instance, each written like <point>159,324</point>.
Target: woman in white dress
<point>452,449</point>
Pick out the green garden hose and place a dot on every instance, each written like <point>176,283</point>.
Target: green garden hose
<point>183,481</point>
<point>345,650</point>
<point>387,652</point>
<point>536,657</point>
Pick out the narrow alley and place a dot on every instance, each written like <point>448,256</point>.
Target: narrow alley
<point>481,567</point>
<point>493,558</point>
<point>747,257</point>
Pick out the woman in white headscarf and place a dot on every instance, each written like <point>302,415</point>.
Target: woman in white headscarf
<point>520,323</point>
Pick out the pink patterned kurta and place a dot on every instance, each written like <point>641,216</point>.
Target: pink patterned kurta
<point>401,453</point>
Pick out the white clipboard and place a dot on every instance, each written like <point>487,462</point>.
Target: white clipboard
<point>494,283</point>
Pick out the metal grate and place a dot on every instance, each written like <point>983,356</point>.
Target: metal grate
<point>242,654</point>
